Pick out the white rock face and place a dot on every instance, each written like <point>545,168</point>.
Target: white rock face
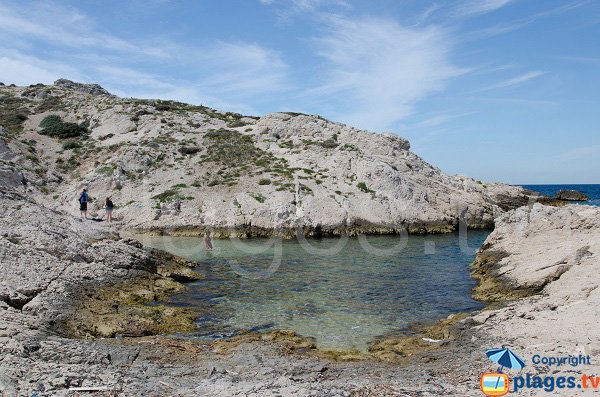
<point>556,250</point>
<point>249,175</point>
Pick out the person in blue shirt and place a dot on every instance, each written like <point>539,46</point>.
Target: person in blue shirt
<point>84,198</point>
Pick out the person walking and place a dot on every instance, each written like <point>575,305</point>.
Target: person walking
<point>84,198</point>
<point>109,206</point>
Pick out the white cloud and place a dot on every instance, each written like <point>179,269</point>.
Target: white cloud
<point>15,71</point>
<point>517,80</point>
<point>217,74</point>
<point>520,23</point>
<point>229,76</point>
<point>306,5</point>
<point>243,69</point>
<point>379,69</point>
<point>288,9</point>
<point>21,69</point>
<point>470,8</point>
<point>438,120</point>
<point>69,28</point>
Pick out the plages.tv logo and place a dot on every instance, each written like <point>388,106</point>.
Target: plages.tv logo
<point>498,383</point>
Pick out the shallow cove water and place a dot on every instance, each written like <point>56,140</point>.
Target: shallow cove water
<point>345,293</point>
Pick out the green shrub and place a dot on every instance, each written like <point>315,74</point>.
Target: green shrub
<point>106,170</point>
<point>167,195</point>
<point>231,148</point>
<point>329,144</point>
<point>13,113</point>
<point>54,126</point>
<point>363,188</point>
<point>68,145</point>
<point>264,181</point>
<point>51,103</point>
<point>236,123</point>
<point>295,114</point>
<point>68,165</point>
<point>349,147</point>
<point>189,150</point>
<point>258,197</point>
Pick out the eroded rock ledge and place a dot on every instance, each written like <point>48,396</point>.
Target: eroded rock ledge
<point>549,257</point>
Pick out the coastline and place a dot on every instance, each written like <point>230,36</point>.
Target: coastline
<point>114,279</point>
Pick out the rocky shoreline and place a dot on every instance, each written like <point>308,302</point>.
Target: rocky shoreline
<point>101,279</point>
<point>288,233</point>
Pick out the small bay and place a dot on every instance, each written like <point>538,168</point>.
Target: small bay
<point>344,292</point>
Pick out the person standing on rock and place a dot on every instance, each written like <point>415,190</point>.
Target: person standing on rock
<point>84,198</point>
<point>208,241</point>
<point>109,206</point>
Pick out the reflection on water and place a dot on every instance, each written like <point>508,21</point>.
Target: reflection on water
<point>345,301</point>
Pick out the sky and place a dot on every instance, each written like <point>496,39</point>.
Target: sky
<point>499,90</point>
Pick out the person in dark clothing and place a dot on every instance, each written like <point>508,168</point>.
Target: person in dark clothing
<point>109,206</point>
<point>84,198</point>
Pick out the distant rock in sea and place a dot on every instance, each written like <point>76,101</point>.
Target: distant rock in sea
<point>571,195</point>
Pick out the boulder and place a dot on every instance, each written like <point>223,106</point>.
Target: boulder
<point>92,89</point>
<point>571,195</point>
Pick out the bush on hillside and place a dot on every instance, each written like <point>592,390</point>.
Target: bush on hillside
<point>68,145</point>
<point>54,126</point>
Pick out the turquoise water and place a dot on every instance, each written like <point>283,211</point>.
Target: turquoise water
<point>344,292</point>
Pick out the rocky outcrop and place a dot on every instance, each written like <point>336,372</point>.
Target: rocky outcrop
<point>549,257</point>
<point>174,166</point>
<point>92,89</point>
<point>571,195</point>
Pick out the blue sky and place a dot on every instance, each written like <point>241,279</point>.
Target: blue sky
<point>502,90</point>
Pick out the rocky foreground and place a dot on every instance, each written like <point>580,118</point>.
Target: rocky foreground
<point>65,283</point>
<point>551,255</point>
<point>53,266</point>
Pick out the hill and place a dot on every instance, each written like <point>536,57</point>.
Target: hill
<point>179,168</point>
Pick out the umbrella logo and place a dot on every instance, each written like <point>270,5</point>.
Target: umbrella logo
<point>497,384</point>
<point>505,358</point>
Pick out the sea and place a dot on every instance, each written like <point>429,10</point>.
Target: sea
<point>593,191</point>
<point>345,293</point>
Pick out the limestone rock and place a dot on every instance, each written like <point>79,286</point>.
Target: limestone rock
<point>551,254</point>
<point>92,89</point>
<point>169,165</point>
